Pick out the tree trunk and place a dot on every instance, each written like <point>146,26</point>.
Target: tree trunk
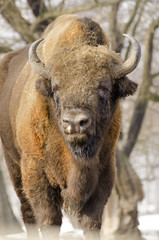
<point>8,222</point>
<point>143,95</point>
<point>120,220</point>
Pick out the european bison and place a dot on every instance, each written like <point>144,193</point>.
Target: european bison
<point>60,119</point>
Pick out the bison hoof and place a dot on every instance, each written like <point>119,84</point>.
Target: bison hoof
<point>71,206</point>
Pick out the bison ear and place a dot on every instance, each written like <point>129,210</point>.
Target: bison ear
<point>124,87</point>
<point>43,86</point>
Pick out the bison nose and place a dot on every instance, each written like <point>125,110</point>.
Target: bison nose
<point>76,122</point>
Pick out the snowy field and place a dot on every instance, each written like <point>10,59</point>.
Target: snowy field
<point>149,226</point>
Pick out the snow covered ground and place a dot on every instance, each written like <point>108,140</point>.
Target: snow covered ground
<point>149,226</point>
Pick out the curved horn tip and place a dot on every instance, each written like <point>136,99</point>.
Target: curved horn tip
<point>128,36</point>
<point>136,46</point>
<point>35,62</point>
<point>36,43</point>
<point>133,40</point>
<point>131,63</point>
<point>33,47</point>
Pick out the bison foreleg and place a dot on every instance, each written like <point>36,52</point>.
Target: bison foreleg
<point>91,214</point>
<point>82,182</point>
<point>44,199</point>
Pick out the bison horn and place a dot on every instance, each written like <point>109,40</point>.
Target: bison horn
<point>131,63</point>
<point>36,64</point>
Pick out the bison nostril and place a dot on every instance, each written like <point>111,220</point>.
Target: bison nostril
<point>66,121</point>
<point>67,125</point>
<point>76,122</point>
<point>83,123</point>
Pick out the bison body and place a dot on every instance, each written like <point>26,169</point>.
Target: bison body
<point>60,119</point>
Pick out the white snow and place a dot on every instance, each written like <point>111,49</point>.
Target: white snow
<point>149,222</point>
<point>149,226</point>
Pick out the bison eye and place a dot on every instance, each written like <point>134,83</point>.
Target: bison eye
<point>54,86</point>
<point>103,94</point>
<point>55,94</point>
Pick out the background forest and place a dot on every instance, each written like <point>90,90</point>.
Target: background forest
<point>136,188</point>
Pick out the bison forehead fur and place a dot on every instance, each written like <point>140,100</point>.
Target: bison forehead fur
<point>60,119</point>
<point>85,62</point>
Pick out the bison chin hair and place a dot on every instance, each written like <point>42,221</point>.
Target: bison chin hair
<point>84,150</point>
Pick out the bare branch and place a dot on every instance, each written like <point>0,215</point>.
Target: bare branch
<point>135,27</point>
<point>155,165</point>
<point>154,75</point>
<point>53,14</point>
<point>38,7</point>
<point>61,4</point>
<point>142,99</point>
<point>12,15</point>
<point>153,97</point>
<point>149,178</point>
<point>4,49</point>
<point>115,35</point>
<point>128,24</point>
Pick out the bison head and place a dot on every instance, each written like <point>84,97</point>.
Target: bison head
<point>87,83</point>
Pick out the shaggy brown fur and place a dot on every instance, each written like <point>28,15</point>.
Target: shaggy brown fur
<point>50,169</point>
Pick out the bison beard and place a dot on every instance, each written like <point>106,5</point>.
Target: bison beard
<point>84,150</point>
<point>86,147</point>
